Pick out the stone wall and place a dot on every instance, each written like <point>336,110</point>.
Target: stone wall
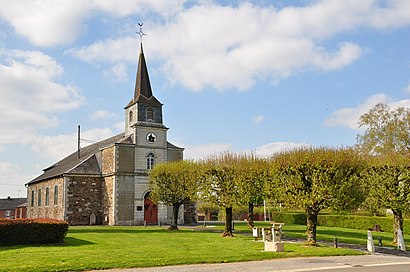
<point>174,155</point>
<point>108,160</point>
<point>125,154</point>
<point>50,209</point>
<point>108,200</point>
<point>125,199</point>
<point>84,198</point>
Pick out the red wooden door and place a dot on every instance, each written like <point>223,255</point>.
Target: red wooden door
<point>150,211</point>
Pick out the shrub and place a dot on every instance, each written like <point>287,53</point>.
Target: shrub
<point>32,231</point>
<point>289,218</point>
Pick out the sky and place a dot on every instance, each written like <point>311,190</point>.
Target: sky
<point>239,76</point>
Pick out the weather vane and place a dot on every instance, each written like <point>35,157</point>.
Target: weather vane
<point>140,32</point>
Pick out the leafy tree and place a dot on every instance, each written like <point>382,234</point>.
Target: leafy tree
<point>315,179</point>
<point>387,131</point>
<point>387,181</point>
<point>251,175</point>
<point>218,185</point>
<point>174,183</point>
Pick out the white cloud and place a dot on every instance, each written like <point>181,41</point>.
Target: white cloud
<point>350,116</point>
<point>45,23</point>
<point>205,150</point>
<point>245,43</point>
<point>49,22</point>
<point>272,148</point>
<point>59,146</point>
<point>31,96</point>
<point>257,119</point>
<point>12,182</point>
<point>407,89</point>
<point>102,114</point>
<point>119,127</point>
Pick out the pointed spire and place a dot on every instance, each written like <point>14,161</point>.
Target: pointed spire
<point>142,83</point>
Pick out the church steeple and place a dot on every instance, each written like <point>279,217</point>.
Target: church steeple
<point>144,110</point>
<point>142,82</point>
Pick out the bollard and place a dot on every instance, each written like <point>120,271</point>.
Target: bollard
<point>335,242</point>
<point>370,243</point>
<point>233,225</point>
<point>400,241</point>
<point>380,241</point>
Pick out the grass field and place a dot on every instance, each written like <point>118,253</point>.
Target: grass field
<point>344,235</point>
<point>101,247</point>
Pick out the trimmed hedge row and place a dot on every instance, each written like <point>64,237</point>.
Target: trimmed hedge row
<point>342,221</point>
<point>32,231</point>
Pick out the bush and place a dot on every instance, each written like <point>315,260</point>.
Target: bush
<point>341,221</point>
<point>32,231</point>
<point>289,218</point>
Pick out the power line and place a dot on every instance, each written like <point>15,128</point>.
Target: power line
<point>7,184</point>
<point>89,141</point>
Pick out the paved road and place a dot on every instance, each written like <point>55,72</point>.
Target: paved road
<point>364,263</point>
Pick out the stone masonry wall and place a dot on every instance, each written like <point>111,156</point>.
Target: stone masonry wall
<point>50,209</point>
<point>108,160</point>
<point>108,200</point>
<point>84,199</point>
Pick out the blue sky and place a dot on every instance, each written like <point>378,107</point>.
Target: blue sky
<point>257,76</point>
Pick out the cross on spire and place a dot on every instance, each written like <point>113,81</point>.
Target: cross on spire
<point>140,32</point>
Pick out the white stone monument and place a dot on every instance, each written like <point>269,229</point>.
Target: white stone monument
<point>370,242</point>
<point>273,241</point>
<point>400,241</point>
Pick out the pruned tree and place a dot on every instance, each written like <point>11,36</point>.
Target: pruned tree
<point>387,181</point>
<point>386,131</point>
<point>218,185</point>
<point>251,175</point>
<point>174,183</point>
<point>315,179</point>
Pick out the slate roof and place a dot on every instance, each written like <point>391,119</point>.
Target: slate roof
<point>11,203</point>
<point>171,146</point>
<point>143,91</point>
<point>87,163</point>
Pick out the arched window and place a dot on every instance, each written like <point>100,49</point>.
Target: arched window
<point>39,198</point>
<point>150,115</point>
<point>55,195</point>
<point>47,196</point>
<point>150,161</point>
<point>130,118</point>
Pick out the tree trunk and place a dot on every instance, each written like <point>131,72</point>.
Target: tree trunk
<point>311,215</point>
<point>228,223</point>
<point>250,215</point>
<point>175,211</point>
<point>398,224</point>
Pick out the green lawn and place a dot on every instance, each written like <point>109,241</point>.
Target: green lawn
<point>344,235</point>
<point>108,247</point>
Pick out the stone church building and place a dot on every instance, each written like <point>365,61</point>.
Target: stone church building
<point>107,182</point>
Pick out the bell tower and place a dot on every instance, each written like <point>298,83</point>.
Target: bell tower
<point>144,109</point>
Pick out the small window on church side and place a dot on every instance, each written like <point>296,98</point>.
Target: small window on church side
<point>150,115</point>
<point>150,161</point>
<point>55,195</point>
<point>47,196</point>
<point>131,116</point>
<point>32,198</point>
<point>39,198</point>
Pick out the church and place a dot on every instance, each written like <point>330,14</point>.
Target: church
<point>107,183</point>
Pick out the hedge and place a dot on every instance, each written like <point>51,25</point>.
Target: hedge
<point>32,231</point>
<point>342,221</point>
